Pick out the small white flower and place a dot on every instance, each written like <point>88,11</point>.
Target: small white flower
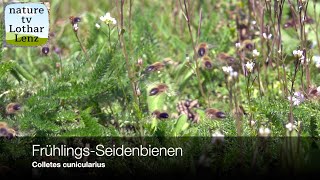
<point>238,45</point>
<point>297,53</point>
<point>249,66</point>
<point>255,53</point>
<point>316,60</point>
<point>267,131</point>
<point>97,26</point>
<point>254,22</point>
<point>227,69</point>
<point>234,74</point>
<point>140,61</point>
<point>297,98</point>
<point>108,19</point>
<point>304,60</point>
<point>75,27</point>
<point>252,122</point>
<point>290,126</point>
<point>279,51</point>
<point>265,36</point>
<point>217,137</point>
<point>264,131</point>
<point>318,89</point>
<point>138,92</point>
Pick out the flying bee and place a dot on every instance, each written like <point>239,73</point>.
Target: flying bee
<point>314,92</point>
<point>160,115</point>
<point>45,50</point>
<point>206,62</point>
<point>226,58</point>
<point>248,45</point>
<point>158,89</point>
<point>215,114</point>
<point>202,49</point>
<point>13,108</point>
<point>169,61</point>
<point>74,20</point>
<point>293,23</point>
<point>157,66</point>
<point>243,31</point>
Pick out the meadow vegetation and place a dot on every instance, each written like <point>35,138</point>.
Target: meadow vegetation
<point>168,68</point>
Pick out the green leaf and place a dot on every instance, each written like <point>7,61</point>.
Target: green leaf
<point>155,102</point>
<point>180,125</point>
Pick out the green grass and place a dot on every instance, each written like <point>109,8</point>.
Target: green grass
<point>90,86</point>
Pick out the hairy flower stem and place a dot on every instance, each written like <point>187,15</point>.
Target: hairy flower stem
<point>279,46</point>
<point>60,68</point>
<point>259,81</point>
<point>249,92</point>
<point>229,88</point>
<point>109,35</point>
<point>125,54</point>
<point>83,49</point>
<point>187,16</point>
<point>249,96</point>
<point>317,22</point>
<point>291,90</point>
<point>130,17</point>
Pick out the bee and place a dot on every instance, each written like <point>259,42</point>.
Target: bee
<point>11,133</point>
<point>202,49</point>
<point>158,89</point>
<point>248,45</point>
<point>157,66</point>
<point>45,50</point>
<point>244,32</point>
<point>186,107</point>
<point>190,103</point>
<point>226,58</point>
<point>160,115</point>
<point>206,62</point>
<point>292,22</point>
<point>74,20</point>
<point>169,61</point>
<point>13,108</point>
<point>314,92</point>
<point>3,129</point>
<point>215,114</point>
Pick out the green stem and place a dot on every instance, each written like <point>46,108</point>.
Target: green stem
<point>109,36</point>
<point>83,49</point>
<point>24,73</point>
<point>195,52</point>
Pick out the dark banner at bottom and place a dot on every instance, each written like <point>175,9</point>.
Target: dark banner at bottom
<point>217,157</point>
